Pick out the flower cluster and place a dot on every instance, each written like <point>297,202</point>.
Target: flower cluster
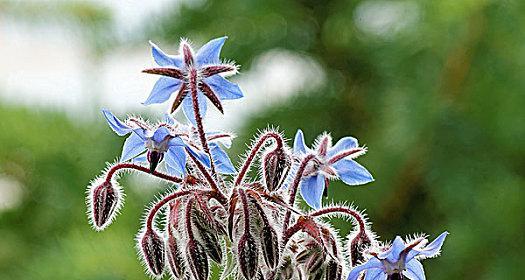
<point>253,228</point>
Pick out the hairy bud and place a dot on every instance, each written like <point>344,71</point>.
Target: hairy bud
<point>152,248</point>
<point>358,243</point>
<point>286,269</point>
<point>270,246</point>
<point>248,255</point>
<point>334,270</point>
<point>197,260</point>
<point>275,167</point>
<point>104,201</point>
<point>173,254</point>
<point>209,237</point>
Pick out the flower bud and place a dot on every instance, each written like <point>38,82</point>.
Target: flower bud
<point>208,235</point>
<point>173,254</point>
<point>286,269</point>
<point>152,247</point>
<point>275,167</point>
<point>105,199</point>
<point>334,270</point>
<point>358,243</point>
<point>316,275</point>
<point>248,255</point>
<point>197,260</point>
<point>270,246</point>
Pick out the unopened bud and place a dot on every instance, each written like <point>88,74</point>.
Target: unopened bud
<point>104,203</point>
<point>358,243</point>
<point>197,260</point>
<point>275,167</point>
<point>286,269</point>
<point>248,255</point>
<point>334,270</point>
<point>270,246</point>
<point>175,261</point>
<point>152,247</point>
<point>209,237</point>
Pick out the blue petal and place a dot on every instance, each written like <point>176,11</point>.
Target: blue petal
<point>429,251</point>
<point>160,134</point>
<point>140,159</point>
<point>162,90</point>
<point>169,119</point>
<point>375,274</point>
<point>133,146</point>
<point>392,255</point>
<point>224,89</point>
<point>176,161</point>
<point>299,147</point>
<point>414,270</point>
<point>116,125</point>
<point>162,58</point>
<point>210,52</point>
<point>352,173</point>
<point>176,141</point>
<point>312,188</point>
<point>200,156</point>
<point>344,143</point>
<point>221,160</point>
<point>187,107</point>
<point>373,263</point>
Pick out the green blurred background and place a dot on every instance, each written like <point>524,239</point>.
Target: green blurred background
<point>435,89</point>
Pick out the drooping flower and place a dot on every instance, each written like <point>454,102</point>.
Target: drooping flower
<point>330,162</point>
<point>187,73</point>
<point>159,143</point>
<point>399,260</point>
<point>216,140</point>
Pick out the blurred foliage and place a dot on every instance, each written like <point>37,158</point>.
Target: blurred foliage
<point>439,102</point>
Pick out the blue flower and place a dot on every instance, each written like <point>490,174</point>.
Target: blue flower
<point>216,140</point>
<point>159,143</point>
<point>330,162</point>
<point>401,259</point>
<point>202,73</point>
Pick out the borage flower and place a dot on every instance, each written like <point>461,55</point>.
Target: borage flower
<point>399,260</point>
<point>159,143</point>
<point>329,163</point>
<point>201,75</point>
<point>216,140</point>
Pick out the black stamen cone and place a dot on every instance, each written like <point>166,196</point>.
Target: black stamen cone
<point>154,159</point>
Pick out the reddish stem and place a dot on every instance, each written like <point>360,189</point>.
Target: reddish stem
<point>153,211</point>
<point>340,209</point>
<point>294,186</point>
<point>253,153</point>
<point>344,154</point>
<point>198,118</point>
<point>157,174</point>
<point>187,218</point>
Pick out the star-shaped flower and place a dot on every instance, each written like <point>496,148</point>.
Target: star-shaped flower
<point>330,163</point>
<point>159,142</point>
<point>202,73</point>
<point>400,260</point>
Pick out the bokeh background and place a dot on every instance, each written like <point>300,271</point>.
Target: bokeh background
<point>435,89</point>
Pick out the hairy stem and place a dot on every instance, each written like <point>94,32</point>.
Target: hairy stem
<point>294,186</point>
<point>198,118</point>
<point>255,149</point>
<point>114,169</point>
<point>160,204</point>
<point>205,173</point>
<point>246,211</point>
<point>343,210</point>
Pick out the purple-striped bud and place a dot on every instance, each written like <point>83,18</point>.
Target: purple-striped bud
<point>248,255</point>
<point>174,257</point>
<point>270,246</point>
<point>208,235</point>
<point>334,270</point>
<point>152,249</point>
<point>358,243</point>
<point>197,260</point>
<point>275,167</point>
<point>104,202</point>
